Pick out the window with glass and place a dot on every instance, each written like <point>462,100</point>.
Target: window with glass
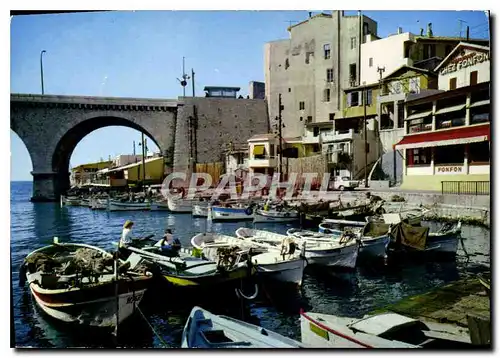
<point>302,105</point>
<point>327,95</point>
<point>479,153</point>
<point>353,99</point>
<point>450,119</point>
<point>480,114</point>
<point>326,50</point>
<point>420,125</point>
<point>450,154</point>
<point>329,75</point>
<point>369,97</point>
<point>370,62</point>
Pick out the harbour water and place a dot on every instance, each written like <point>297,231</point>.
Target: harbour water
<point>352,294</point>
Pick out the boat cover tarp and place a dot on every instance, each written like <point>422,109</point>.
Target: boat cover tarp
<point>411,236</point>
<point>403,233</point>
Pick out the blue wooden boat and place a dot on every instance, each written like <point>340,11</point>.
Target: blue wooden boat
<point>207,330</point>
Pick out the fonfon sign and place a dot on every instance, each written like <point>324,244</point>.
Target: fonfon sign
<point>465,61</point>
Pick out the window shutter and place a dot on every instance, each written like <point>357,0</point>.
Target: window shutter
<point>348,100</point>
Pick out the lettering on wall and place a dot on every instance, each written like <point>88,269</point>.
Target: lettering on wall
<point>468,60</point>
<point>449,169</point>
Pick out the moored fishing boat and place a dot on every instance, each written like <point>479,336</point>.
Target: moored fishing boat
<point>200,210</point>
<point>240,212</point>
<point>181,205</point>
<point>206,330</point>
<point>70,200</point>
<point>324,251</point>
<point>158,205</point>
<point>99,203</point>
<point>115,205</point>
<point>272,215</point>
<point>269,260</point>
<point>386,330</point>
<point>410,239</point>
<point>372,246</point>
<point>182,268</point>
<point>76,283</point>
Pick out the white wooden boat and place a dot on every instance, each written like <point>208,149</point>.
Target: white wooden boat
<point>99,203</point>
<point>324,251</point>
<point>159,205</point>
<point>269,261</point>
<point>386,330</point>
<point>371,247</point>
<point>200,210</point>
<point>206,330</point>
<point>115,205</point>
<point>70,200</point>
<point>272,215</point>
<point>67,285</point>
<point>181,205</point>
<point>85,202</point>
<point>239,212</point>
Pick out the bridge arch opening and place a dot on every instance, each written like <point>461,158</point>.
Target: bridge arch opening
<point>95,139</point>
<point>21,163</point>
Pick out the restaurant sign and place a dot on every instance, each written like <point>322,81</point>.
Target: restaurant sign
<point>470,59</point>
<point>449,169</point>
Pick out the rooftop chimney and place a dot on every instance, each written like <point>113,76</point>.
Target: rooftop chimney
<point>429,29</point>
<point>400,30</point>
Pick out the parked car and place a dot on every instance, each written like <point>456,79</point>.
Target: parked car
<point>343,183</point>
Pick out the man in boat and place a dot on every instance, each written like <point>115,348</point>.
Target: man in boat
<point>169,244</point>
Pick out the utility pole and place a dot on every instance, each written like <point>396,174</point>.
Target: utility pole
<point>192,81</point>
<point>143,160</point>
<point>380,71</point>
<point>280,108</point>
<point>365,136</point>
<point>460,22</point>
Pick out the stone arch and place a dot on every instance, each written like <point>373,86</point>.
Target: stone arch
<point>68,141</point>
<point>22,139</point>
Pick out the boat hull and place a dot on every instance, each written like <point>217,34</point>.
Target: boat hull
<point>342,257</point>
<point>374,248</point>
<point>98,313</point>
<point>228,214</point>
<point>217,278</point>
<point>200,211</point>
<point>290,272</point>
<point>180,206</point>
<point>159,206</point>
<point>98,204</point>
<point>262,217</point>
<point>124,206</point>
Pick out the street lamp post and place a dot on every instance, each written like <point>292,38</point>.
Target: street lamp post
<point>41,69</point>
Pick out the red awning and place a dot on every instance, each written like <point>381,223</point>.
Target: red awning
<point>462,135</point>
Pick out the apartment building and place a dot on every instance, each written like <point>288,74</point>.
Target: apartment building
<point>310,69</point>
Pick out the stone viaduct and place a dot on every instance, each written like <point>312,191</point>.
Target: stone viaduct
<point>188,128</point>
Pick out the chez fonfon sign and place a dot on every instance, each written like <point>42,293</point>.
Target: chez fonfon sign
<point>469,59</point>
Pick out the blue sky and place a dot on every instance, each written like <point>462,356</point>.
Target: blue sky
<point>139,54</point>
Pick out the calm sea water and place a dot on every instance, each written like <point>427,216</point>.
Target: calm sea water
<point>353,294</point>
